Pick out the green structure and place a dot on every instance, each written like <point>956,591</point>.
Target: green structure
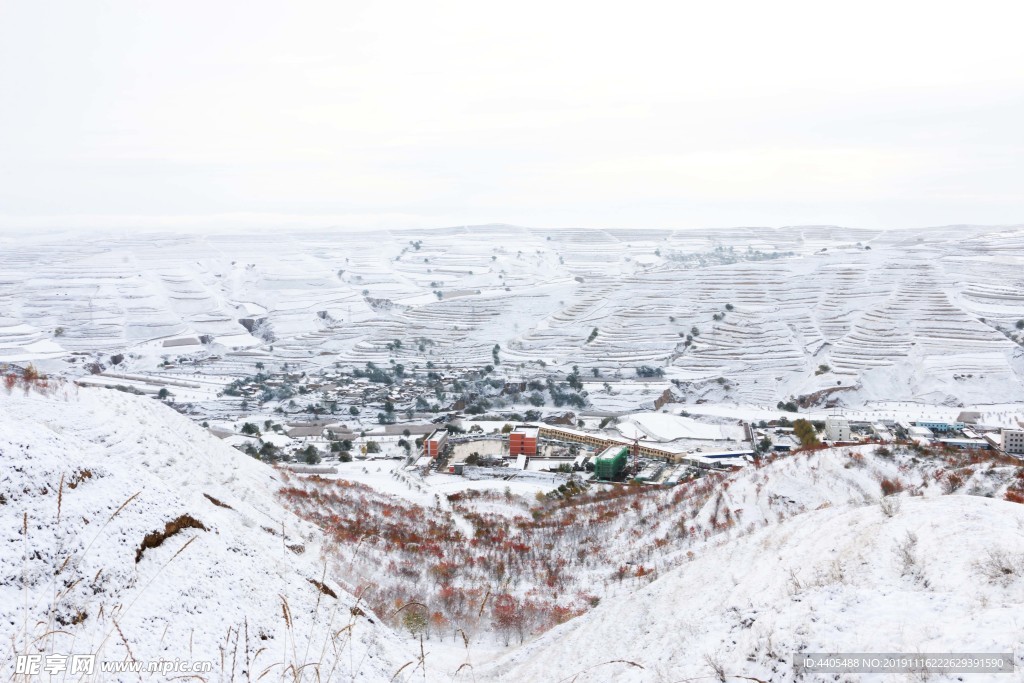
<point>611,462</point>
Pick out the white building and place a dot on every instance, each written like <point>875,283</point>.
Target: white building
<point>921,435</point>
<point>1013,441</point>
<point>881,431</point>
<point>837,428</point>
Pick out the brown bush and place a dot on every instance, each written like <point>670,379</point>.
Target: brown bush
<point>953,482</point>
<point>216,502</point>
<point>78,477</point>
<point>891,486</point>
<point>157,538</point>
<point>323,588</point>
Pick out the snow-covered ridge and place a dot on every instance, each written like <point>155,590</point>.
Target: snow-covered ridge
<point>97,479</point>
<point>942,574</point>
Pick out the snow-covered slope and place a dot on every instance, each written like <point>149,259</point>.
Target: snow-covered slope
<point>943,574</point>
<point>87,478</point>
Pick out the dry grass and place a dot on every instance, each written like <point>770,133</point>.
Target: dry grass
<point>573,677</point>
<point>156,539</point>
<point>217,502</point>
<point>78,477</point>
<point>323,588</point>
<point>890,506</point>
<point>1001,567</point>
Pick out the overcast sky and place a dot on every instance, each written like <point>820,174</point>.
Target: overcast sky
<point>571,114</point>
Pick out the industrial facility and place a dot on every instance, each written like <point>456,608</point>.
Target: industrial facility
<point>611,463</point>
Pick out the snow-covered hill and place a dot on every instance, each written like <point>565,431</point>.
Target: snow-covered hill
<point>942,574</point>
<point>748,315</point>
<point>127,530</point>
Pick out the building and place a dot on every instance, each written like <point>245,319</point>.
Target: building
<point>837,428</point>
<point>611,462</point>
<point>601,442</point>
<point>523,441</point>
<point>434,444</point>
<point>965,444</point>
<point>881,431</point>
<point>782,441</point>
<point>921,435</point>
<point>1013,441</point>
<point>940,426</point>
<point>719,461</point>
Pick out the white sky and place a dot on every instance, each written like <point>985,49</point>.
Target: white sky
<point>552,114</point>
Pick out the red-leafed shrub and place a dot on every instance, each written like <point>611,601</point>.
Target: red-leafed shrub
<point>1014,497</point>
<point>891,486</point>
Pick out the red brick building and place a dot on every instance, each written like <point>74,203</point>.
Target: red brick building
<point>523,441</point>
<point>434,443</point>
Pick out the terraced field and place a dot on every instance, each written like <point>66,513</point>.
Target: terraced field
<point>751,314</point>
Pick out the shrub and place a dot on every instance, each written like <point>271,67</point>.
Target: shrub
<point>268,451</point>
<point>1001,567</point>
<point>414,620</point>
<point>891,486</point>
<point>890,506</point>
<point>1014,497</point>
<point>805,431</point>
<point>953,482</point>
<point>310,455</point>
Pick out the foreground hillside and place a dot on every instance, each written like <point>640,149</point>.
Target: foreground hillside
<point>943,574</point>
<point>127,531</point>
<point>492,567</point>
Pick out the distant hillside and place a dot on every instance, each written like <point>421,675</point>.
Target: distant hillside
<point>752,315</point>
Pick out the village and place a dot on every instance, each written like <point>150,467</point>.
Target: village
<point>511,422</point>
<point>474,425</point>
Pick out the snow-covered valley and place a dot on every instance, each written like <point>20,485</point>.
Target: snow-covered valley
<point>255,494</point>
